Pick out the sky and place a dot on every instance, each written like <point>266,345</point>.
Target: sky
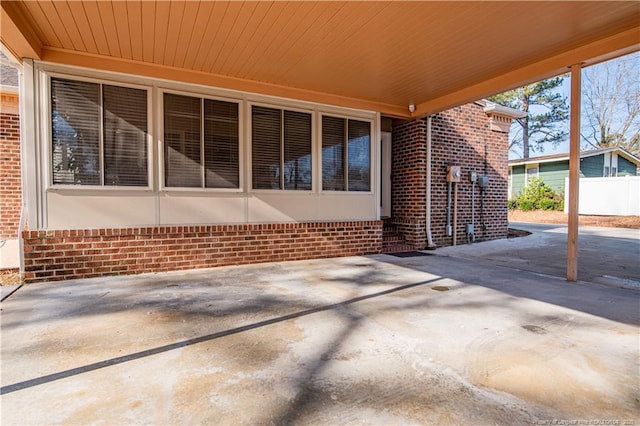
<point>549,149</point>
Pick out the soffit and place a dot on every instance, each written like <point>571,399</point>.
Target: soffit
<point>387,53</point>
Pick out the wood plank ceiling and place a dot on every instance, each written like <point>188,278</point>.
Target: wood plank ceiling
<point>387,53</point>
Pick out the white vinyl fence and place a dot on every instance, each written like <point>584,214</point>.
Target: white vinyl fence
<point>607,196</point>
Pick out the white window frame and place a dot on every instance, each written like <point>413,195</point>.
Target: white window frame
<point>528,167</point>
<point>249,158</point>
<point>160,163</point>
<point>47,135</point>
<point>373,172</point>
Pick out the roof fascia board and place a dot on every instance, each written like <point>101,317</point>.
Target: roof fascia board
<point>619,44</point>
<point>130,67</point>
<point>629,156</point>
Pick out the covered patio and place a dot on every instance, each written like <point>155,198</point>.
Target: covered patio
<point>405,60</point>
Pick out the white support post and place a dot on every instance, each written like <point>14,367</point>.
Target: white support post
<point>574,173</point>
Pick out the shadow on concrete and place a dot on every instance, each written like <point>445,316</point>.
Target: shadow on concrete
<point>616,304</point>
<point>184,343</point>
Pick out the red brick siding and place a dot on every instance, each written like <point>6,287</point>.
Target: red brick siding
<point>458,137</point>
<point>10,179</point>
<point>65,254</point>
<point>408,184</point>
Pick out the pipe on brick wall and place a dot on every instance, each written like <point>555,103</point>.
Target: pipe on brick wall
<point>430,244</point>
<point>23,190</point>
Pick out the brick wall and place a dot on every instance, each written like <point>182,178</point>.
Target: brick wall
<point>65,254</point>
<point>408,185</point>
<point>459,137</point>
<point>10,186</point>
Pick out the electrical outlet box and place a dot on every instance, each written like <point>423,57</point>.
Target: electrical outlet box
<point>483,181</point>
<point>473,176</point>
<point>454,174</point>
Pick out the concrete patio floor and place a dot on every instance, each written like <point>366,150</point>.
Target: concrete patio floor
<point>364,340</point>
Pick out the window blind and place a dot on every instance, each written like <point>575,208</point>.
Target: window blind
<point>75,129</point>
<point>359,155</point>
<point>221,154</point>
<point>125,136</point>
<point>182,141</point>
<point>266,127</point>
<point>333,135</point>
<point>297,150</point>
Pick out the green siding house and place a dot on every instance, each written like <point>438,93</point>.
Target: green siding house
<point>553,169</point>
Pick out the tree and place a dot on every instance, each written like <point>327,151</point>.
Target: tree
<point>547,112</point>
<point>611,104</point>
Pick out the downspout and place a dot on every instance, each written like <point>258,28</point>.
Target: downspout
<point>23,192</point>
<point>430,245</point>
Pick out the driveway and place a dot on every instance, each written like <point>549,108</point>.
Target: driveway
<point>364,340</point>
<point>605,255</point>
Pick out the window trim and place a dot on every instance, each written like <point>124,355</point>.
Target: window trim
<point>528,167</point>
<point>372,153</point>
<point>160,163</point>
<point>249,142</point>
<point>47,133</point>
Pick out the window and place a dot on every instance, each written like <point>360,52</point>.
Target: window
<point>346,154</point>
<point>99,134</point>
<point>201,148</point>
<point>532,172</point>
<point>281,149</point>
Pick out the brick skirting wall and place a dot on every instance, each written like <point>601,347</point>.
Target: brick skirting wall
<point>83,253</point>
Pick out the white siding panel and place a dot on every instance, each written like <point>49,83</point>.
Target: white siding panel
<point>80,211</point>
<point>184,209</point>
<point>347,207</point>
<point>281,208</point>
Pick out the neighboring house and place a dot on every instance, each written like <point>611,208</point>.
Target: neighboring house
<point>10,180</point>
<point>162,136</point>
<point>553,169</point>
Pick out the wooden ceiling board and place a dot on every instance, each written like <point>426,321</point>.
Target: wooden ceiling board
<point>121,17</point>
<point>161,15</point>
<point>390,53</point>
<point>185,36</point>
<point>41,25</point>
<point>197,39</point>
<point>134,14</point>
<point>85,32</point>
<point>46,16</point>
<point>271,42</point>
<point>148,9</point>
<point>105,10</point>
<point>176,12</point>
<point>236,41</point>
<point>292,48</point>
<point>210,47</point>
<point>228,33</point>
<point>247,44</point>
<point>70,25</point>
<point>97,30</point>
<point>347,38</point>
